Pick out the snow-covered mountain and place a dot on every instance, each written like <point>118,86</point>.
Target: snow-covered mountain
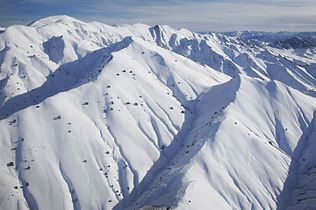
<point>95,116</point>
<point>2,29</point>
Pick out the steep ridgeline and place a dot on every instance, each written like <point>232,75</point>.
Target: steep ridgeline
<point>94,116</point>
<point>233,55</point>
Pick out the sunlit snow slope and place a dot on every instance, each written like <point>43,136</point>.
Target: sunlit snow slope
<point>94,116</point>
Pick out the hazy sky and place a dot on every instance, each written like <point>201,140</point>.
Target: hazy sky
<point>197,15</point>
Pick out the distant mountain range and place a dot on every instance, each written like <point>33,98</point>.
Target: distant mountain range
<point>282,40</point>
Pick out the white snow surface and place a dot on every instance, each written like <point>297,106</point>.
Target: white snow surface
<point>94,116</point>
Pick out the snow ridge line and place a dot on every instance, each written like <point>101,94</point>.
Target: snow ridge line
<point>107,180</point>
<point>135,178</point>
<point>74,200</point>
<point>31,202</point>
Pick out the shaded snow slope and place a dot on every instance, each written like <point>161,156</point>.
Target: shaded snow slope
<point>94,116</point>
<point>301,181</point>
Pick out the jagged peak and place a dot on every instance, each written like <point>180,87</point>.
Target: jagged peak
<point>162,27</point>
<point>136,25</point>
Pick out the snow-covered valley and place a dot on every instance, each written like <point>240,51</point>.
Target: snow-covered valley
<point>94,116</point>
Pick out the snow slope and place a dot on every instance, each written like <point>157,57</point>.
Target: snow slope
<point>94,116</point>
<point>225,137</point>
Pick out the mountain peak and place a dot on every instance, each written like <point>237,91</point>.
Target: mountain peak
<point>55,19</point>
